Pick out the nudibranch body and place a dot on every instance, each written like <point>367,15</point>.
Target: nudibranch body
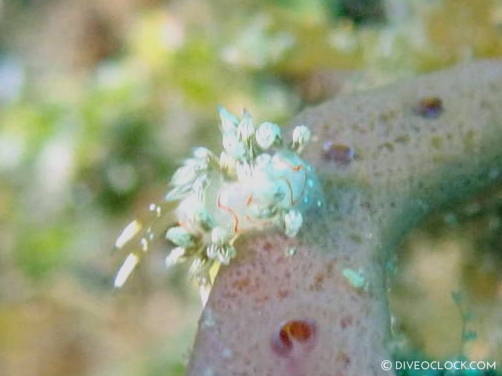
<point>257,182</point>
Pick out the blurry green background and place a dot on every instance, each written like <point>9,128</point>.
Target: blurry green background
<point>100,100</point>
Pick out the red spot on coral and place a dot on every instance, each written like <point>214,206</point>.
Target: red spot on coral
<point>318,281</point>
<point>282,294</point>
<point>267,246</point>
<point>291,333</point>
<point>262,299</point>
<point>299,330</point>
<point>242,283</point>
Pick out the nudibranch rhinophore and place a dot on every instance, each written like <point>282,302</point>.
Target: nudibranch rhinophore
<point>257,182</point>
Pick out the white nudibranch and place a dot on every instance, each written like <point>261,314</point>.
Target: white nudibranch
<point>257,182</point>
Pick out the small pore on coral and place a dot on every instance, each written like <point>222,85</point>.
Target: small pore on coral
<point>429,107</point>
<point>292,333</point>
<point>338,153</point>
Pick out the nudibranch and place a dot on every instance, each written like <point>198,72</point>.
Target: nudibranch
<point>257,182</point>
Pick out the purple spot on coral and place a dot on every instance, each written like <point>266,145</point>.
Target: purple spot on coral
<point>429,107</point>
<point>339,153</point>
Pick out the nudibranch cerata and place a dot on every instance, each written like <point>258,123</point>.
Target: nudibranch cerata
<point>257,182</point>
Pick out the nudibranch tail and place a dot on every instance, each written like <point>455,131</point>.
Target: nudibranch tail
<point>256,182</point>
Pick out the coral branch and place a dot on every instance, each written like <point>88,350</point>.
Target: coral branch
<point>316,305</point>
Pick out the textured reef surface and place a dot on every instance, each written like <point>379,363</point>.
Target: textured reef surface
<point>316,304</point>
